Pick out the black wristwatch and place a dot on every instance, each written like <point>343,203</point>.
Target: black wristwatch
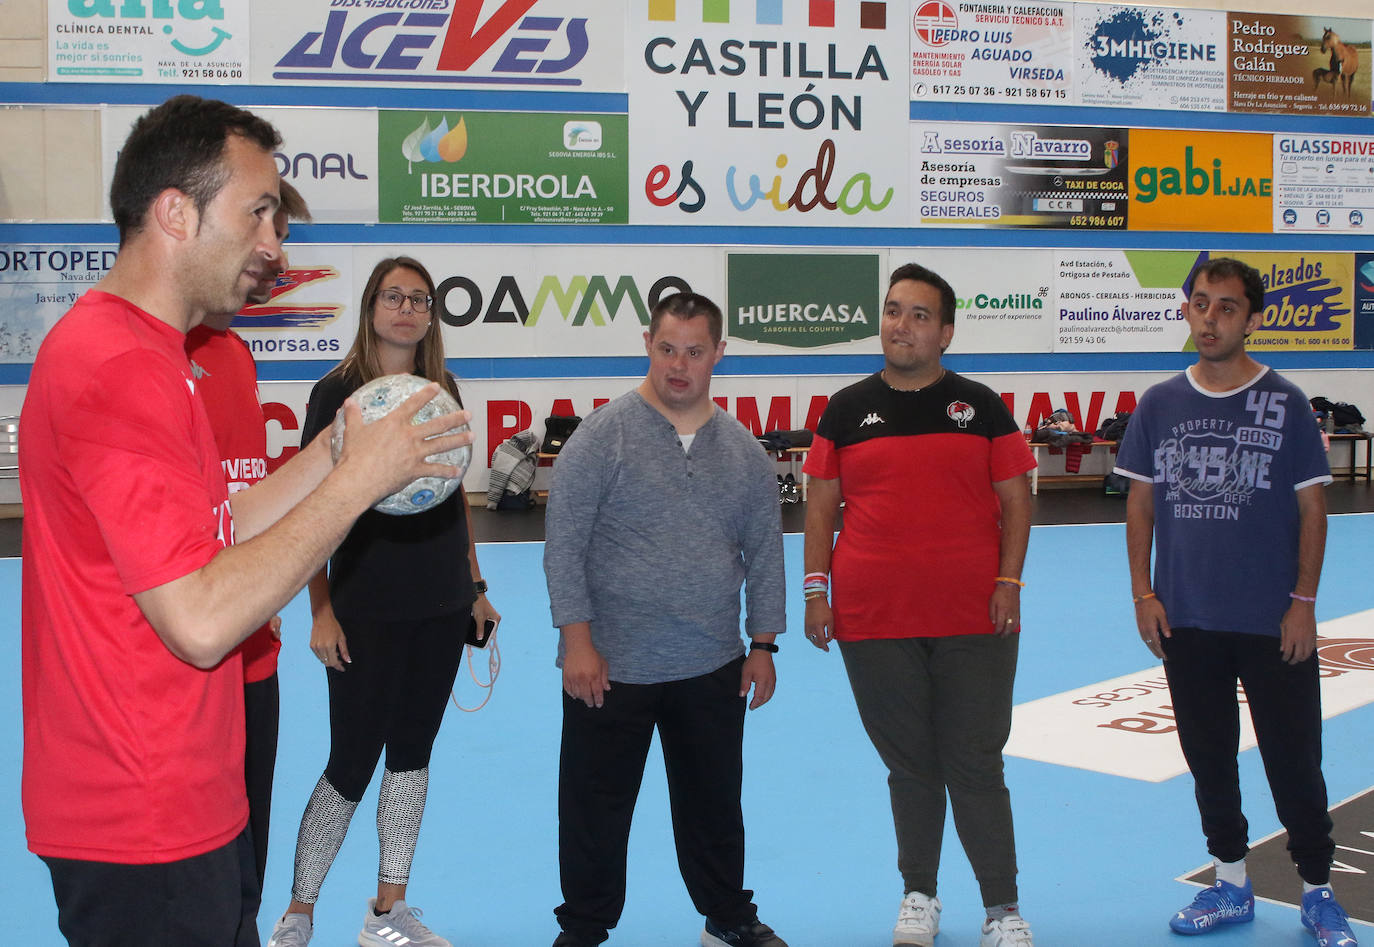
<point>480,585</point>
<point>763,646</point>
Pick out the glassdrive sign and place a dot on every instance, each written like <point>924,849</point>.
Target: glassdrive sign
<point>803,300</point>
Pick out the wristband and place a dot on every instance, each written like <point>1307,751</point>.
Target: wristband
<point>822,576</point>
<point>1140,598</point>
<point>763,646</point>
<point>1008,580</point>
<point>1311,600</point>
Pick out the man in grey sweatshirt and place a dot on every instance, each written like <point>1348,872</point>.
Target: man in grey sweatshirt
<point>662,507</point>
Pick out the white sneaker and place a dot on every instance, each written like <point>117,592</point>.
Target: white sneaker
<point>399,927</point>
<point>293,930</point>
<point>1011,931</point>
<point>918,920</point>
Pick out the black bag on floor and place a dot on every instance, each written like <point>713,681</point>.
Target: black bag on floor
<point>557,429</point>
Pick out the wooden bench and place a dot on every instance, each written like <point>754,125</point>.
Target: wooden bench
<point>1037,448</point>
<point>1355,440</point>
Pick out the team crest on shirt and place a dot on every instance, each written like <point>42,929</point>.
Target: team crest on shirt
<point>960,412</point>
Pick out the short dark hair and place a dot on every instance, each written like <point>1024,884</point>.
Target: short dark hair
<point>179,144</point>
<point>688,306</point>
<point>920,274</point>
<point>293,202</point>
<point>1225,267</point>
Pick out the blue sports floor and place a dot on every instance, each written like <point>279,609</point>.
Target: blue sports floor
<point>1099,854</point>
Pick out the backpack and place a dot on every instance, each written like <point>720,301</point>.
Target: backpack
<point>1345,417</point>
<point>557,429</point>
<point>1114,428</point>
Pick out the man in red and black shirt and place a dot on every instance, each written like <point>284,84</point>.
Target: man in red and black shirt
<point>926,573</point>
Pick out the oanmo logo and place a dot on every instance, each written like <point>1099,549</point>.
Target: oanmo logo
<point>579,301</point>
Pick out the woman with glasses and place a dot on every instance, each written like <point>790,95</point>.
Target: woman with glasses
<point>391,614</point>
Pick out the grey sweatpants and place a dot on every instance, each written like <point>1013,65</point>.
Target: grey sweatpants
<point>938,711</point>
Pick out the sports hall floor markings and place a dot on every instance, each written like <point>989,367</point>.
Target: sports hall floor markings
<point>1101,855</point>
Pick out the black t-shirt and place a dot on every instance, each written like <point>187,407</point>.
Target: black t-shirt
<point>393,568</point>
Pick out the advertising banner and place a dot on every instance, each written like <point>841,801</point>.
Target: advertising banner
<point>328,154</point>
<point>186,43</point>
<point>312,313</point>
<point>1149,57</point>
<point>38,284</point>
<point>1018,176</point>
<point>552,301</point>
<point>1298,64</point>
<point>788,300</point>
<point>501,167</point>
<point>533,45</point>
<point>1323,183</point>
<point>1308,300</point>
<point>1364,300</point>
<point>768,114</point>
<point>1121,300</point>
<point>1004,299</point>
<point>991,52</point>
<point>1219,182</point>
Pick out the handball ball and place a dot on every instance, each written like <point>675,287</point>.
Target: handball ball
<point>377,399</point>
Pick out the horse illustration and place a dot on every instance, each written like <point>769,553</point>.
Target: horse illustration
<point>1345,61</point>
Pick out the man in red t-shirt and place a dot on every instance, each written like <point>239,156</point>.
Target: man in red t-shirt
<point>227,378</point>
<point>135,595</point>
<point>931,469</point>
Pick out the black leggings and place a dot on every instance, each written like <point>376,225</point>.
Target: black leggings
<point>392,695</point>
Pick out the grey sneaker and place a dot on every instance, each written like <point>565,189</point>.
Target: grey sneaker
<point>399,927</point>
<point>293,930</point>
<point>918,920</point>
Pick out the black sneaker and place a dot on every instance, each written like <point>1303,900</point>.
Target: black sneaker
<point>568,940</point>
<point>749,934</point>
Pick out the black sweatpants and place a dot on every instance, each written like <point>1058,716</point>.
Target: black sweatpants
<point>195,902</point>
<point>262,713</point>
<point>1285,707</point>
<point>700,725</point>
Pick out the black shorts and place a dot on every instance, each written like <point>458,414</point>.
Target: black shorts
<point>194,902</point>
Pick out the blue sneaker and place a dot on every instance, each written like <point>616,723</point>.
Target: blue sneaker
<point>1326,919</point>
<point>1222,903</point>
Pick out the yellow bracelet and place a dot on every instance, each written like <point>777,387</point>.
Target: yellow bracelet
<point>1140,598</point>
<point>1008,580</point>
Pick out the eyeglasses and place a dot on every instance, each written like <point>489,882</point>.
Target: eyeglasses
<point>391,299</point>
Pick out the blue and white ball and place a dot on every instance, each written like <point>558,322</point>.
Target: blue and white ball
<point>379,398</point>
